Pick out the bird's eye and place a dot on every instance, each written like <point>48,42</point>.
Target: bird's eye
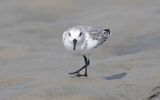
<point>69,34</point>
<point>80,34</point>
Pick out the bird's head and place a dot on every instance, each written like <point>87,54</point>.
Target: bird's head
<point>75,37</point>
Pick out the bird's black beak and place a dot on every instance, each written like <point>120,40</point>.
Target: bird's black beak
<point>74,44</point>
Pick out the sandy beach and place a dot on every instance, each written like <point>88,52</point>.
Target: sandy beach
<point>34,65</point>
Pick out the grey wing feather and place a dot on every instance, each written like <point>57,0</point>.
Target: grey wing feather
<point>100,35</point>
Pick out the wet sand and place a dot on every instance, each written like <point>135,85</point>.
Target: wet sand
<point>34,64</point>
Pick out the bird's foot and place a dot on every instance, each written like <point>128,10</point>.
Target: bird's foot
<point>79,75</point>
<point>76,72</point>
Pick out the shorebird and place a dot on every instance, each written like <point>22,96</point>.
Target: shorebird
<point>81,40</point>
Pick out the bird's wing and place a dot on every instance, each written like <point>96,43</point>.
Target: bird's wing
<point>100,35</point>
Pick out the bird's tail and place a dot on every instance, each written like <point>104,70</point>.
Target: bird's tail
<point>107,31</point>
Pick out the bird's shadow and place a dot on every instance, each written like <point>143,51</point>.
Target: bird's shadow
<point>116,76</point>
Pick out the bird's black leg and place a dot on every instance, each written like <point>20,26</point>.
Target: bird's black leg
<point>85,74</point>
<point>87,62</point>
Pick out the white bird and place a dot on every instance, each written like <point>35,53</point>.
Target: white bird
<point>82,40</point>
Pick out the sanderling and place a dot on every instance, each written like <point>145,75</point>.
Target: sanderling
<point>82,40</point>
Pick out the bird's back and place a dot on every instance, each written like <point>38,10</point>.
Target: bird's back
<point>95,36</point>
<point>100,35</point>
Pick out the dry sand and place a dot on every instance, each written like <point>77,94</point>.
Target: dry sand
<point>34,64</point>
